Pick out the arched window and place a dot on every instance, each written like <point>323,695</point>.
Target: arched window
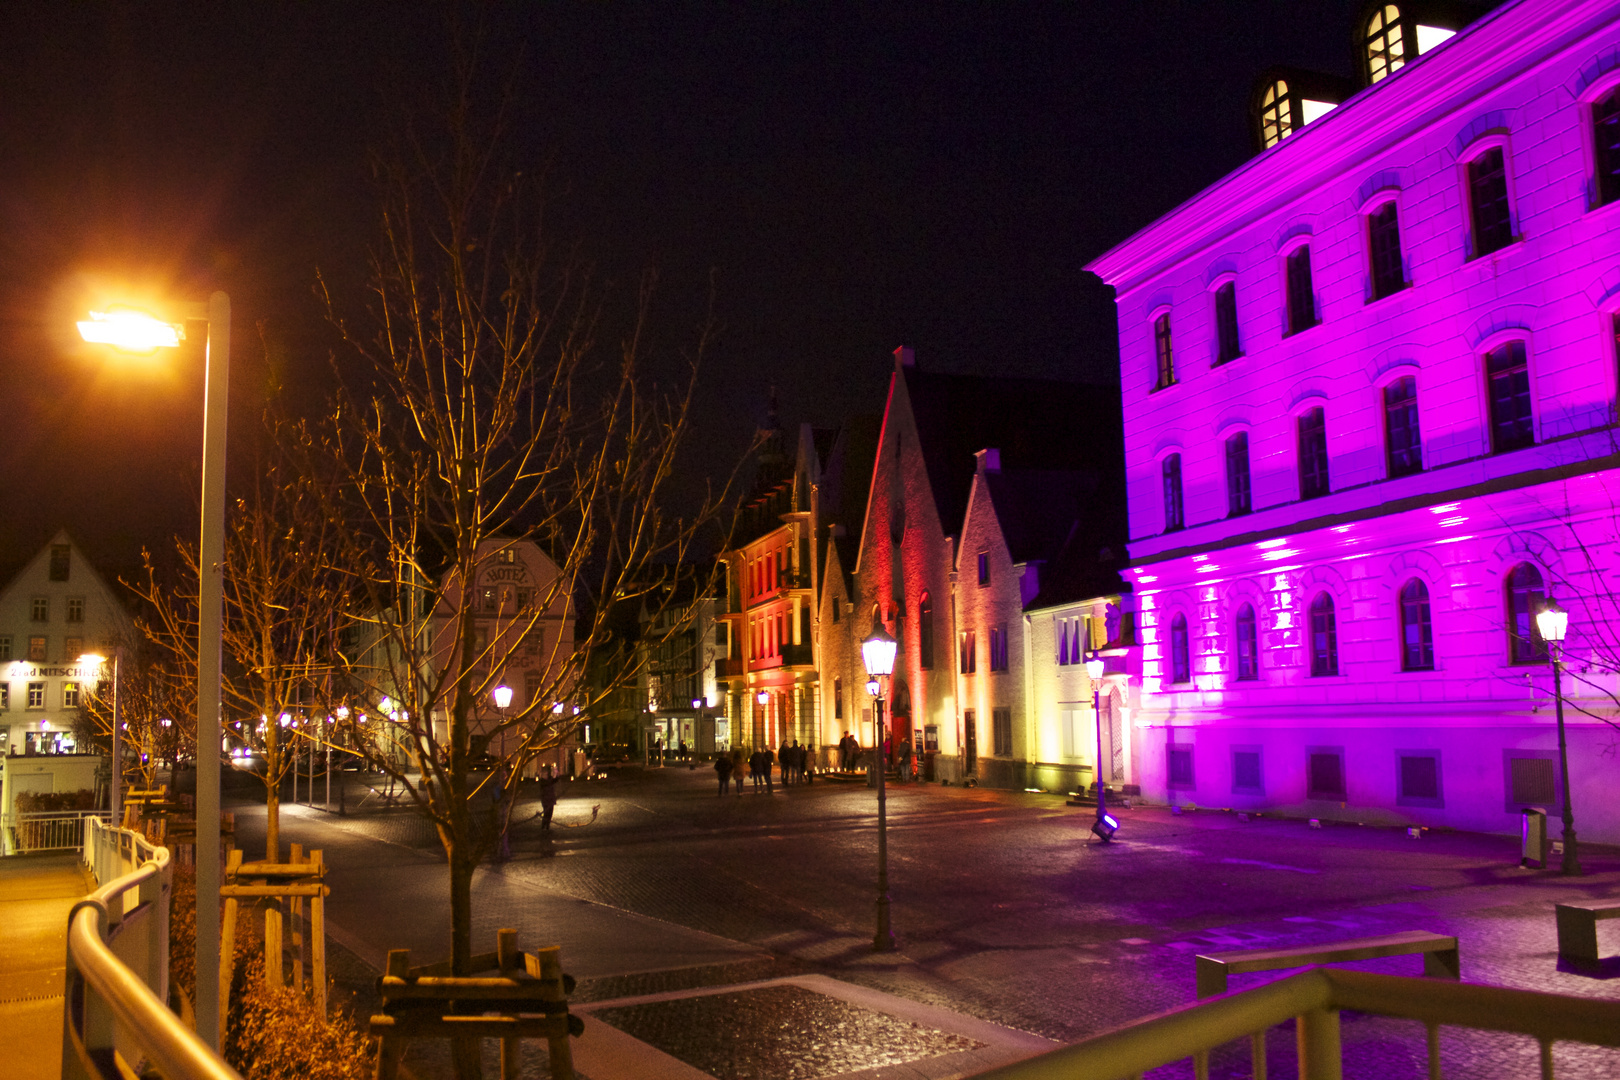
<point>1386,51</point>
<point>1324,636</point>
<point>1526,595</point>
<point>1417,636</point>
<point>925,632</point>
<point>1248,644</point>
<point>1180,657</point>
<point>1276,114</point>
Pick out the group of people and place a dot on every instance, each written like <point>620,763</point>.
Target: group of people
<point>902,756</point>
<point>793,758</point>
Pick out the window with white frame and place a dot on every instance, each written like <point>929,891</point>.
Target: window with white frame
<point>1403,443</point>
<point>1606,145</point>
<point>1238,501</point>
<point>1507,380</point>
<point>1174,513</point>
<point>1297,287</point>
<point>1164,356</point>
<point>1311,427</point>
<point>1384,250</point>
<point>1417,634</point>
<point>1490,214</point>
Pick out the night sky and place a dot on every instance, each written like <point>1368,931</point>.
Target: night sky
<point>854,177</point>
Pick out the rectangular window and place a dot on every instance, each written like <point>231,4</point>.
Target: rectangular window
<point>1488,202</point>
<point>1228,347</point>
<point>1246,776</point>
<point>1301,300</point>
<point>1532,780</point>
<point>70,695</point>
<point>1162,351</point>
<point>61,557</point>
<point>75,609</point>
<point>1181,768</point>
<point>72,649</point>
<point>1606,141</point>
<point>40,609</point>
<point>1508,376</point>
<point>1248,644</point>
<point>998,648</point>
<point>1401,437</point>
<point>1384,248</point>
<point>984,568</point>
<point>970,660</point>
<point>1001,722</point>
<point>838,699</point>
<point>1313,456</point>
<point>5,646</point>
<point>5,696</point>
<point>1174,517</point>
<point>1237,475</point>
<point>36,695</point>
<point>1324,773</point>
<point>1417,776</point>
<point>36,649</point>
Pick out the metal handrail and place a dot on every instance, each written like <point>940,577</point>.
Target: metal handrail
<point>97,979</point>
<point>1315,998</point>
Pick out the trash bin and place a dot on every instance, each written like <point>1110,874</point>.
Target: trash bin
<point>1533,835</point>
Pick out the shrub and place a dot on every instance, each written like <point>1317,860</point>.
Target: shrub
<point>271,1033</point>
<point>46,802</point>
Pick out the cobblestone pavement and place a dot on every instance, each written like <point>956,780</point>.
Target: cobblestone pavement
<point>1006,910</point>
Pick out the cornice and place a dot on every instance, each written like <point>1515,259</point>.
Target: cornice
<point>1497,49</point>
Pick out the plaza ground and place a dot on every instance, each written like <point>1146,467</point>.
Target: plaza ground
<point>1005,908</point>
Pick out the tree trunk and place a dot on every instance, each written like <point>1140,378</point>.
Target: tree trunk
<point>272,790</point>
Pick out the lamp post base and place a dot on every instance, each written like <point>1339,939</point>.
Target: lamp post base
<point>1571,866</point>
<point>883,940</point>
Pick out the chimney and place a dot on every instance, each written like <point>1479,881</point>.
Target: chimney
<point>905,357</point>
<point>989,460</point>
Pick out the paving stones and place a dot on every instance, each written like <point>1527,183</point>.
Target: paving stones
<point>782,1032</point>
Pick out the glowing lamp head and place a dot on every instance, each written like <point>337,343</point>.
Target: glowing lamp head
<point>872,687</point>
<point>130,330</point>
<point>1553,622</point>
<point>763,697</point>
<point>557,709</point>
<point>1094,667</point>
<point>877,652</point>
<point>92,659</point>
<point>502,696</point>
<point>697,703</point>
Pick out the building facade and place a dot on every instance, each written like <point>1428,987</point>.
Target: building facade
<point>56,610</point>
<point>1369,385</point>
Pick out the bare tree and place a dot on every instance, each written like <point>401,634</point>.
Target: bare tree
<point>282,602</point>
<point>486,405</point>
<point>158,710</point>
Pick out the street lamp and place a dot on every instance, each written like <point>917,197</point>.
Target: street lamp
<point>136,331</point>
<point>1553,622</point>
<point>1105,826</point>
<point>96,660</point>
<point>877,652</point>
<point>501,696</point>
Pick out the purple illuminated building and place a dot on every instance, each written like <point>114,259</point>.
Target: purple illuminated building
<point>1369,385</point>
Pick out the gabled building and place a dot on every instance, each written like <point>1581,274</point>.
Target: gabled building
<point>776,605</point>
<point>1038,591</point>
<point>57,609</point>
<point>1370,397</point>
<point>918,577</point>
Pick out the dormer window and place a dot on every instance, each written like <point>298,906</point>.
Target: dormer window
<point>1276,114</point>
<point>1386,47</point>
<point>1394,34</point>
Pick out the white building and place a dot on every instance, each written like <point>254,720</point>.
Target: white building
<point>57,609</point>
<point>1370,385</point>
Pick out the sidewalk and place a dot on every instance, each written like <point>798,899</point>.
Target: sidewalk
<point>36,894</point>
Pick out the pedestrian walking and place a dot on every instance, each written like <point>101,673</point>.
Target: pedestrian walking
<point>756,770</point>
<point>784,754</point>
<point>768,761</point>
<point>737,769</point>
<point>680,754</point>
<point>905,759</point>
<point>548,797</point>
<point>722,769</point>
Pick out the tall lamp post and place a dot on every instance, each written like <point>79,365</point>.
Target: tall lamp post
<point>877,652</point>
<point>1553,622</point>
<point>137,331</point>
<point>1105,826</point>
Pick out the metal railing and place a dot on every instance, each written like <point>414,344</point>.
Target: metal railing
<point>46,830</point>
<point>115,1022</point>
<point>1314,998</point>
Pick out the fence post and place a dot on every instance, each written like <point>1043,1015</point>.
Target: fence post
<point>1319,1051</point>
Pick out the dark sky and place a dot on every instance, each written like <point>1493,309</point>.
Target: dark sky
<point>856,177</point>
